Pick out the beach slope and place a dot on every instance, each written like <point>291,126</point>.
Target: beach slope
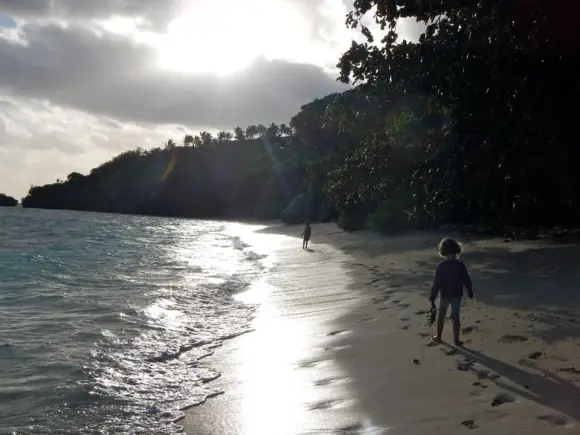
<point>340,344</point>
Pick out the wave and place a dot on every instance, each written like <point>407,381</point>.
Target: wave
<point>115,336</point>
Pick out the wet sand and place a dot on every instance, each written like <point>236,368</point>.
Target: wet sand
<point>340,345</point>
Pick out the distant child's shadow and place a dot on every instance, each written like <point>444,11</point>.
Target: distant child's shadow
<point>547,389</point>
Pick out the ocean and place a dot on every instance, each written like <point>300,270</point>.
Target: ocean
<point>105,320</point>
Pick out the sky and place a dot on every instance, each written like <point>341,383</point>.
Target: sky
<point>82,81</point>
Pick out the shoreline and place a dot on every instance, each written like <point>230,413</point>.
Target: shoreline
<point>525,233</point>
<point>518,373</point>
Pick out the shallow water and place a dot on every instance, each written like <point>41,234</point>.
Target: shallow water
<point>105,319</point>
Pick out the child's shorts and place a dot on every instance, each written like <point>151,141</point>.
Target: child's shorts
<point>455,306</point>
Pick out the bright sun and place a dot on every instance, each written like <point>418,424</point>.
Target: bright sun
<point>224,36</point>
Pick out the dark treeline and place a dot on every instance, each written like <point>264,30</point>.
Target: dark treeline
<point>475,123</point>
<point>7,201</point>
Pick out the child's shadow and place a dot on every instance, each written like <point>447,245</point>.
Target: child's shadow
<point>547,389</point>
<point>309,249</point>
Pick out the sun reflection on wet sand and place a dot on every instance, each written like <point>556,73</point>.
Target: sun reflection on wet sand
<point>284,377</point>
<point>273,390</point>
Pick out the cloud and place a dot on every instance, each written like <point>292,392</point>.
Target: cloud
<point>40,142</point>
<point>77,86</point>
<point>114,75</point>
<point>153,13</point>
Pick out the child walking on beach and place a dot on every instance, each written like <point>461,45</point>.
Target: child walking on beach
<point>450,277</point>
<point>306,235</point>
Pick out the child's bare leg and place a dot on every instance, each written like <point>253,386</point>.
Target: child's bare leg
<point>456,329</point>
<point>440,324</point>
<point>455,307</point>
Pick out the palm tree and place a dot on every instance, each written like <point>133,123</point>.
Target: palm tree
<point>239,133</point>
<point>262,130</point>
<point>206,138</point>
<point>170,144</point>
<point>197,142</point>
<point>188,140</point>
<point>224,136</point>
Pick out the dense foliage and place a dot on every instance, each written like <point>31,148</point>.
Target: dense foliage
<point>226,179</point>
<point>475,122</point>
<point>7,201</point>
<point>504,74</point>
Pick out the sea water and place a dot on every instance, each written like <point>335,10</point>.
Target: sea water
<point>105,320</point>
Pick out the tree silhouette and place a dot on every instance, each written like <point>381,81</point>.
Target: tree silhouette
<point>252,132</point>
<point>188,140</point>
<point>170,144</point>
<point>285,130</point>
<point>272,131</point>
<point>239,134</point>
<point>471,124</point>
<point>7,201</point>
<point>206,138</point>
<point>224,135</point>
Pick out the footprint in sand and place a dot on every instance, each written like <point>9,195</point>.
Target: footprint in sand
<point>479,384</point>
<point>486,374</point>
<point>336,347</point>
<point>404,319</point>
<point>554,420</point>
<point>468,329</point>
<point>329,404</point>
<point>465,365</point>
<point>308,364</point>
<point>385,308</point>
<point>358,429</point>
<point>569,370</point>
<point>425,334</point>
<point>502,398</point>
<point>339,332</point>
<point>470,424</point>
<point>368,319</point>
<point>508,338</point>
<point>329,381</point>
<point>405,327</point>
<point>536,355</point>
<point>421,312</point>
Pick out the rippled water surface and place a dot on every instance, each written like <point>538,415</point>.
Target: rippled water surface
<point>105,319</point>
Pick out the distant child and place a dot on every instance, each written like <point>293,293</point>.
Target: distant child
<point>450,278</point>
<point>306,235</point>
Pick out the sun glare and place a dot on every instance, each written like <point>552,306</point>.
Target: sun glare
<point>225,36</point>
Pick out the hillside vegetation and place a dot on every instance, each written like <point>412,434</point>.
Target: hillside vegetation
<point>472,124</point>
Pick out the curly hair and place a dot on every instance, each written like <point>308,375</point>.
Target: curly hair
<point>449,246</point>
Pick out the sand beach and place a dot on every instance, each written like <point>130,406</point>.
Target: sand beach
<point>340,344</point>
